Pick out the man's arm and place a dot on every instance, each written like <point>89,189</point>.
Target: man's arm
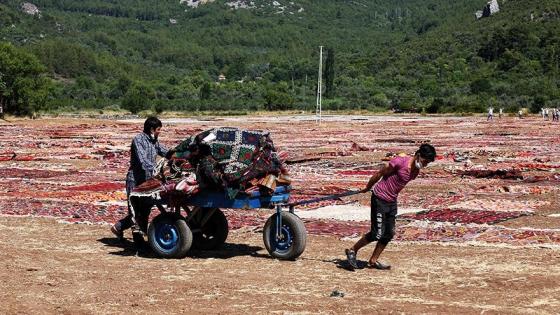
<point>162,151</point>
<point>386,169</point>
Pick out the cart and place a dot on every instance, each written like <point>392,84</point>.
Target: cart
<point>204,226</point>
<point>198,222</point>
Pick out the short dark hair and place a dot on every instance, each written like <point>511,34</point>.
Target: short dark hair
<point>427,151</point>
<point>151,123</point>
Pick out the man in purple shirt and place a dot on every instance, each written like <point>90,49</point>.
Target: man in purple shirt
<point>390,180</point>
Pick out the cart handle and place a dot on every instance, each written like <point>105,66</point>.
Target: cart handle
<point>330,197</point>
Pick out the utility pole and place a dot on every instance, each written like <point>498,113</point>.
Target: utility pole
<point>318,108</point>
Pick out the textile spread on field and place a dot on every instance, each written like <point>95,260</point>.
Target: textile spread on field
<point>74,171</point>
<point>503,174</point>
<point>465,216</point>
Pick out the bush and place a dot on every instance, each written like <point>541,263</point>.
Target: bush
<point>435,106</point>
<point>276,100</point>
<point>138,98</point>
<point>537,104</point>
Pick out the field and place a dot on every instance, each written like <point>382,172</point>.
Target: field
<point>478,231</point>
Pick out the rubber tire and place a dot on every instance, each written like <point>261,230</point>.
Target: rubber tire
<point>299,236</point>
<point>184,235</point>
<point>214,233</point>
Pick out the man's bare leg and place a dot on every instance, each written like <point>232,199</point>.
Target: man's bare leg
<point>359,244</point>
<point>376,253</point>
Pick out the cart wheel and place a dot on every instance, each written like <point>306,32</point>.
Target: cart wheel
<point>213,233</point>
<point>170,236</point>
<point>291,243</point>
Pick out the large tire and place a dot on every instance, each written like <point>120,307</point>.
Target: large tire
<point>293,240</point>
<point>170,236</point>
<point>213,233</point>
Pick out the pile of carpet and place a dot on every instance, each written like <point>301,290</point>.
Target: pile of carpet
<point>232,160</point>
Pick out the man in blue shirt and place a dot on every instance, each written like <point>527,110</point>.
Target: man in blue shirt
<point>144,149</point>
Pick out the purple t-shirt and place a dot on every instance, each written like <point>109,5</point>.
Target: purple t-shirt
<point>389,186</point>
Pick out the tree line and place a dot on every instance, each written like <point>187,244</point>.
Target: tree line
<point>417,55</point>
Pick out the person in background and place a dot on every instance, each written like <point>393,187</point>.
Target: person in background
<point>500,113</point>
<point>386,184</point>
<point>144,149</point>
<point>490,113</point>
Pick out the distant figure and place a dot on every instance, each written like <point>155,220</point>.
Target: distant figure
<point>500,113</point>
<point>555,114</point>
<point>520,114</point>
<point>542,112</point>
<point>546,113</point>
<point>490,113</point>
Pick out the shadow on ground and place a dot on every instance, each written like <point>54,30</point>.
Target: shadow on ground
<point>343,264</point>
<point>228,250</point>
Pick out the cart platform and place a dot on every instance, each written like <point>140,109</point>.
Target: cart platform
<point>219,199</point>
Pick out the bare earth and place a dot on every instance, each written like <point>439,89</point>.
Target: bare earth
<point>49,267</point>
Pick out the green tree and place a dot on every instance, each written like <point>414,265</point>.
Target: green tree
<point>23,87</point>
<point>481,86</point>
<point>139,97</point>
<point>435,106</point>
<point>277,97</point>
<point>329,74</point>
<point>205,91</point>
<point>537,104</point>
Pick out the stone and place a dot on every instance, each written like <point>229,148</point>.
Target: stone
<point>492,7</point>
<point>30,8</point>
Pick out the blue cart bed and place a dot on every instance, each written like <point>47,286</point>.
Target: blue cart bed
<point>215,199</point>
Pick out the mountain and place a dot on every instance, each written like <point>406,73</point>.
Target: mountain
<point>431,55</point>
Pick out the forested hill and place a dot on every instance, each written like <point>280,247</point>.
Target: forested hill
<point>431,55</point>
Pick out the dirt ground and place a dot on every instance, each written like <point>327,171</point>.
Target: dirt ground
<point>48,267</point>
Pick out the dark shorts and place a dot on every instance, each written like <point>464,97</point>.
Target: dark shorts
<point>383,216</point>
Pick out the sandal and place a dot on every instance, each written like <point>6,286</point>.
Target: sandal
<point>351,256</point>
<point>379,266</point>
